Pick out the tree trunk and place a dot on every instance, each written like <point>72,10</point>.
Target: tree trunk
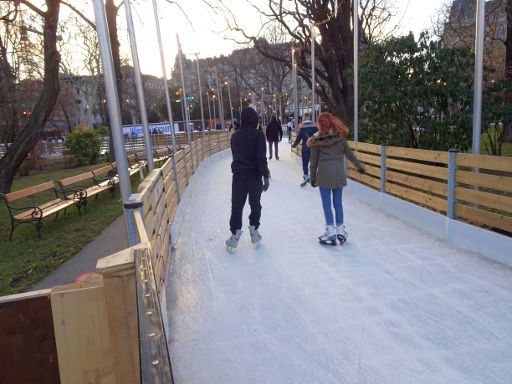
<point>29,136</point>
<point>8,102</point>
<point>507,135</point>
<point>111,13</point>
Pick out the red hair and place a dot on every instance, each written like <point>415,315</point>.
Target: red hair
<point>328,124</point>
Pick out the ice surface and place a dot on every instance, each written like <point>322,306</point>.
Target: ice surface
<point>393,305</point>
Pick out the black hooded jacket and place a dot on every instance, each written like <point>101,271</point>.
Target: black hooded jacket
<point>248,146</point>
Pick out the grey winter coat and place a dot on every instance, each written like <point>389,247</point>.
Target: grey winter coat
<point>326,162</point>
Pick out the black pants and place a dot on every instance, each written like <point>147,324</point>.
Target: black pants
<point>276,146</point>
<point>243,185</point>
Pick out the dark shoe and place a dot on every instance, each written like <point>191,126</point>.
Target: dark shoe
<point>277,157</point>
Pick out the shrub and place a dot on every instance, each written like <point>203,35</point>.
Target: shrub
<point>84,145</point>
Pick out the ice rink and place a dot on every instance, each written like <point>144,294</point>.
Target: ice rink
<point>393,305</point>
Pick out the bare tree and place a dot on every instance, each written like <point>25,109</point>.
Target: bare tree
<point>508,68</point>
<point>332,21</point>
<point>29,136</point>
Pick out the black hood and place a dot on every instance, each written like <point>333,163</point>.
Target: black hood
<point>249,118</point>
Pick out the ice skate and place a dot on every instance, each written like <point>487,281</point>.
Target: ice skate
<point>341,234</point>
<point>255,236</point>
<point>306,180</point>
<point>232,242</point>
<point>329,237</point>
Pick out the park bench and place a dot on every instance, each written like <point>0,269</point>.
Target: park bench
<point>35,214</point>
<point>162,154</point>
<point>92,182</point>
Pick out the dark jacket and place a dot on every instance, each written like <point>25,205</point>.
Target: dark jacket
<point>326,167</point>
<point>248,147</point>
<point>307,129</point>
<point>274,131</point>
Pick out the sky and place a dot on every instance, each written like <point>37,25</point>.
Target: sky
<point>204,32</point>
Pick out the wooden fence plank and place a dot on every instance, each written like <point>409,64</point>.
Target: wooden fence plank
<point>369,169</point>
<point>375,160</point>
<point>499,183</point>
<point>418,197</point>
<point>360,146</point>
<point>28,353</point>
<point>496,163</point>
<point>366,179</point>
<point>82,336</point>
<point>418,182</point>
<point>481,216</point>
<point>418,154</point>
<point>490,200</point>
<point>420,169</point>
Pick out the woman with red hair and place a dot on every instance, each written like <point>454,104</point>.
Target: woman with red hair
<point>328,148</point>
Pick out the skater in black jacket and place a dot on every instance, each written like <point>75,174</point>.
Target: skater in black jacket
<point>307,129</point>
<point>249,167</point>
<point>274,135</point>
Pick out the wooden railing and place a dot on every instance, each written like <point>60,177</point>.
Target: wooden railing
<point>107,327</point>
<point>474,188</point>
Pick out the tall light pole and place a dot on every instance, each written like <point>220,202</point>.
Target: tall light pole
<point>356,70</point>
<point>226,83</point>
<point>221,101</point>
<point>214,113</point>
<point>167,99</point>
<point>313,112</point>
<point>200,101</point>
<point>295,92</point>
<point>209,109</point>
<point>138,84</point>
<point>478,76</point>
<point>185,100</point>
<point>114,110</point>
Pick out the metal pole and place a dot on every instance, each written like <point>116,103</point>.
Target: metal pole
<point>356,70</point>
<point>138,84</point>
<point>200,101</point>
<point>167,100</point>
<point>221,102</point>
<point>209,109</point>
<point>313,84</point>
<point>114,110</point>
<point>478,76</point>
<point>185,101</point>
<point>295,93</point>
<point>230,104</point>
<point>214,113</point>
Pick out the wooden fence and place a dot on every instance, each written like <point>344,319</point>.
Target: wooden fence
<point>474,188</point>
<point>106,328</point>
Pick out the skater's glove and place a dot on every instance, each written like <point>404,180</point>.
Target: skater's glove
<point>314,184</point>
<point>266,183</point>
<point>361,170</point>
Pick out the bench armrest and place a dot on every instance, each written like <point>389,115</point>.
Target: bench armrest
<point>36,213</point>
<point>79,194</point>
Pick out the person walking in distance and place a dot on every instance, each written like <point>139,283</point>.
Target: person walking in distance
<point>274,135</point>
<point>289,128</point>
<point>328,148</point>
<point>307,129</point>
<point>249,167</point>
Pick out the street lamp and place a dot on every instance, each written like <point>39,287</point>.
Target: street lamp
<point>230,104</point>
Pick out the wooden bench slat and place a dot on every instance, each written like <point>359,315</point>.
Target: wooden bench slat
<point>22,193</point>
<point>76,179</point>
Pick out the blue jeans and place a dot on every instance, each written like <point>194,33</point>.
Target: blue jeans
<point>305,160</point>
<point>337,194</point>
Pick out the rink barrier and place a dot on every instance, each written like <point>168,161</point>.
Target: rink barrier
<point>476,189</point>
<point>108,326</point>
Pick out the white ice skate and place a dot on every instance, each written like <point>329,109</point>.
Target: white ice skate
<point>232,242</point>
<point>255,236</point>
<point>329,237</point>
<point>341,234</point>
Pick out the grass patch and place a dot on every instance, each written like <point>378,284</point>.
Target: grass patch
<point>27,259</point>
